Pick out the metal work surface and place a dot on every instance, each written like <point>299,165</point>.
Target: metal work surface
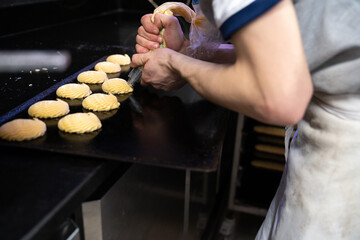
<point>44,180</point>
<point>177,129</point>
<point>40,190</point>
<point>86,41</point>
<point>150,127</point>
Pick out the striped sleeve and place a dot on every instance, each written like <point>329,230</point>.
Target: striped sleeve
<point>231,15</point>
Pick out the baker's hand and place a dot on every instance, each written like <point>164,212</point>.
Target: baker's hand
<point>157,69</point>
<point>149,37</point>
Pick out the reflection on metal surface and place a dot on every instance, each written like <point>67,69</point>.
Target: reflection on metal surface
<point>135,105</point>
<point>103,114</point>
<point>125,68</point>
<point>51,121</point>
<point>122,97</point>
<point>73,102</point>
<point>95,88</point>
<point>113,75</point>
<point>26,60</point>
<point>80,138</point>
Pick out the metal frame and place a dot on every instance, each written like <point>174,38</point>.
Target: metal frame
<point>232,205</point>
<point>186,204</point>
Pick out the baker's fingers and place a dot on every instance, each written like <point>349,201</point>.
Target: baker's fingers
<point>163,21</point>
<point>141,49</point>
<point>139,59</point>
<point>149,25</point>
<point>146,43</point>
<point>149,36</point>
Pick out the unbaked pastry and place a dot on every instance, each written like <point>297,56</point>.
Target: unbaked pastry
<point>122,97</point>
<point>92,77</point>
<point>49,109</point>
<point>100,102</point>
<point>22,129</point>
<point>108,67</point>
<point>73,91</point>
<point>116,86</point>
<point>104,114</point>
<point>79,123</point>
<point>119,59</point>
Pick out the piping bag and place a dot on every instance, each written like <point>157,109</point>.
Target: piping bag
<point>204,36</point>
<point>135,75</point>
<point>170,9</point>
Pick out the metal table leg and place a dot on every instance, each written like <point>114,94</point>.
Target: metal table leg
<point>236,159</point>
<point>186,204</point>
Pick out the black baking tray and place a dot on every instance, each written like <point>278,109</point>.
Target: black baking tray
<point>151,127</point>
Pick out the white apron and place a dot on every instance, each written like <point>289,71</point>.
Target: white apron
<point>319,194</point>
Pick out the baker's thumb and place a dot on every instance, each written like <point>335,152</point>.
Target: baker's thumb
<point>163,21</point>
<point>139,60</point>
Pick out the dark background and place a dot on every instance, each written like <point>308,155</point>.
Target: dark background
<point>23,15</point>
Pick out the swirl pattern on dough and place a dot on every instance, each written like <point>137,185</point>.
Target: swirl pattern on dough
<point>73,91</point>
<point>22,129</point>
<point>108,67</point>
<point>119,59</point>
<point>100,102</point>
<point>92,77</point>
<point>79,123</point>
<point>49,109</point>
<point>116,86</point>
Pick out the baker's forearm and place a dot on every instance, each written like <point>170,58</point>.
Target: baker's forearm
<point>224,85</point>
<point>241,88</point>
<point>269,80</point>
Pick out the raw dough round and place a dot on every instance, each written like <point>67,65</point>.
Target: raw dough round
<point>79,123</point>
<point>108,67</point>
<point>73,91</point>
<point>100,102</point>
<point>22,129</point>
<point>49,109</point>
<point>116,86</point>
<point>92,77</point>
<point>119,59</point>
